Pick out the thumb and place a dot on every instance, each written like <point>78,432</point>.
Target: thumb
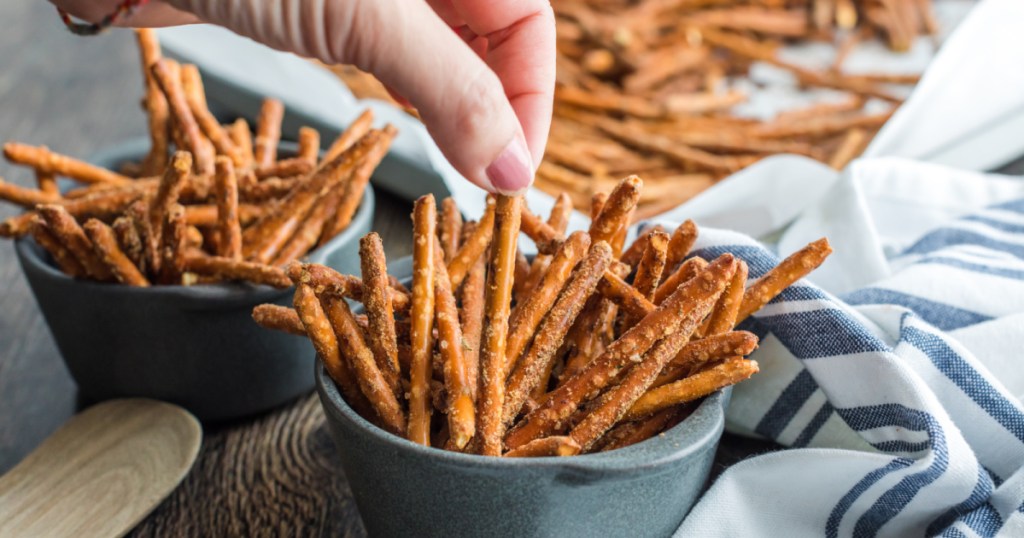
<point>410,49</point>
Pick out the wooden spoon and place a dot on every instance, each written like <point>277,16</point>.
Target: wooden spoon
<point>101,472</point>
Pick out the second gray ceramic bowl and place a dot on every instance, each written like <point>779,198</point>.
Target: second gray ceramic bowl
<point>405,489</point>
<point>194,346</point>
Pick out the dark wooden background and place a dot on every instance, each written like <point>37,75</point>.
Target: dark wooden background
<point>274,474</point>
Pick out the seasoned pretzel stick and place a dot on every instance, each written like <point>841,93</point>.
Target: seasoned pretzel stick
<point>619,399</point>
<point>225,192</point>
<point>327,281</point>
<point>498,296</point>
<point>707,350</point>
<point>686,271</point>
<point>793,268</point>
<point>691,388</point>
<point>683,239</point>
<point>558,445</point>
<point>173,245</point>
<point>527,373</point>
<point>101,205</point>
<point>285,168</point>
<point>229,269</point>
<point>379,313</point>
<point>47,182</point>
<point>723,318</point>
<point>560,403</point>
<point>64,227</point>
<point>155,103</point>
<point>278,318</point>
<point>546,238</point>
<point>472,313</point>
<point>558,220</point>
<point>309,145</point>
<point>634,253</point>
<point>105,245</point>
<point>310,229</point>
<point>458,385</point>
<point>241,137</point>
<point>521,271</point>
<point>652,265</point>
<point>527,315</point>
<point>615,214</point>
<point>424,227</point>
<point>627,297</point>
<point>130,241</point>
<point>854,142</point>
<point>360,359</point>
<point>356,130</point>
<point>631,433</point>
<point>473,247</point>
<point>170,85</point>
<point>325,342</point>
<point>356,184</point>
<point>28,198</point>
<point>268,133</point>
<point>208,124</point>
<point>450,228</point>
<point>41,158</point>
<point>167,194</point>
<point>61,255</point>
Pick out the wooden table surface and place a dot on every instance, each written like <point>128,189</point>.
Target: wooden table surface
<point>274,474</point>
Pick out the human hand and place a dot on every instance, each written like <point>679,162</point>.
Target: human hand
<point>480,72</point>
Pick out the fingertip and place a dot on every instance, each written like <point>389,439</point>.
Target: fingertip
<point>511,173</point>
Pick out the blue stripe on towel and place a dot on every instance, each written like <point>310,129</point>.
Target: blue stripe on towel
<point>814,426</point>
<point>982,489</point>
<point>844,504</point>
<point>945,237</point>
<point>822,333</point>
<point>941,315</point>
<point>974,267</point>
<point>786,406</point>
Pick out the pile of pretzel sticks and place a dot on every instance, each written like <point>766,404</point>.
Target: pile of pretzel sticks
<point>647,87</point>
<point>590,346</point>
<point>208,203</point>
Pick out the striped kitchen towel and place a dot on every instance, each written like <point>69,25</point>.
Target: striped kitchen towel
<point>900,400</point>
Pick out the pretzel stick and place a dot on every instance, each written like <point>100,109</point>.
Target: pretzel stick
<point>353,193</point>
<point>686,271</point>
<point>558,220</point>
<point>560,403</point>
<point>263,239</point>
<point>64,227</point>
<point>47,182</point>
<point>360,359</point>
<point>166,197</point>
<point>309,145</point>
<point>379,313</point>
<point>709,350</point>
<point>101,205</point>
<point>619,399</point>
<point>327,281</point>
<point>791,269</point>
<point>64,258</point>
<point>154,102</point>
<point>173,245</point>
<point>632,255</point>
<point>325,342</point>
<point>450,228</point>
<point>424,225</point>
<point>458,385</point>
<point>854,142</point>
<point>128,239</point>
<point>25,197</point>
<point>627,297</point>
<point>473,247</point>
<point>545,237</point>
<point>631,433</point>
<point>527,373</point>
<point>652,264</point>
<point>520,273</point>
<point>683,239</point>
<point>229,269</point>
<point>285,168</point>
<point>691,388</point>
<point>268,133</point>
<point>723,318</point>
<point>225,192</point>
<point>241,137</point>
<point>546,447</point>
<point>186,123</point>
<point>278,318</point>
<point>356,130</point>
<point>107,250</point>
<point>208,124</point>
<point>41,158</point>
<point>472,314</point>
<point>310,229</point>
<point>615,213</point>
<point>498,295</point>
<point>527,315</point>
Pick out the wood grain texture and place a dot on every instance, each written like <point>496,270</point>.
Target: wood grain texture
<point>272,475</point>
<point>101,472</point>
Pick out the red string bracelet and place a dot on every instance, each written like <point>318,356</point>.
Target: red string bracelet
<point>126,7</point>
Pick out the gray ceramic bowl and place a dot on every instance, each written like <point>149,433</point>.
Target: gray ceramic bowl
<point>194,346</point>
<point>404,489</point>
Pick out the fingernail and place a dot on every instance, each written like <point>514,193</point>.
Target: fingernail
<point>512,172</point>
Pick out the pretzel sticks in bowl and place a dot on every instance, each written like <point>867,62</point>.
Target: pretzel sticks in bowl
<point>208,203</point>
<point>474,369</point>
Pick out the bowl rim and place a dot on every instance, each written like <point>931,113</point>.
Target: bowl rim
<point>32,256</point>
<point>700,431</point>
